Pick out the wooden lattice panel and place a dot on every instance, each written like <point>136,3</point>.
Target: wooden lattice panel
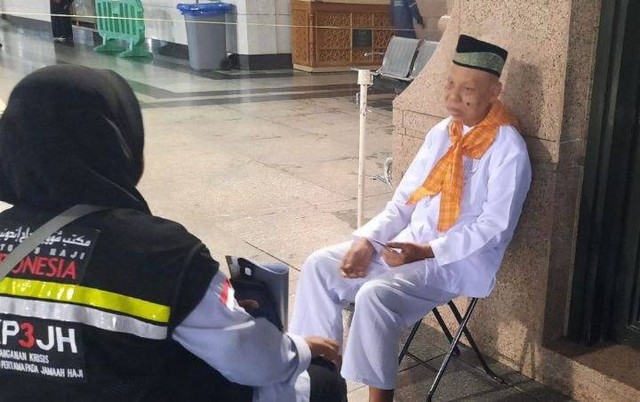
<point>381,36</point>
<point>300,48</point>
<point>358,57</point>
<point>332,19</point>
<point>364,20</point>
<point>333,57</point>
<point>339,34</point>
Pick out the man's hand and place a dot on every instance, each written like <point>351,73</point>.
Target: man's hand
<point>357,259</point>
<point>396,254</point>
<point>326,348</point>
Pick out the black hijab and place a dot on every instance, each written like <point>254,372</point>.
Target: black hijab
<point>72,135</point>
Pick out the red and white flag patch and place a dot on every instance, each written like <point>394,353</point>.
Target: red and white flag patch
<point>227,296</point>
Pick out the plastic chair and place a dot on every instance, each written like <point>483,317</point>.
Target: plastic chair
<point>121,20</point>
<point>398,58</point>
<point>453,345</point>
<point>426,50</point>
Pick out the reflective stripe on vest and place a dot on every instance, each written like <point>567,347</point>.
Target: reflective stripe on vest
<point>67,302</point>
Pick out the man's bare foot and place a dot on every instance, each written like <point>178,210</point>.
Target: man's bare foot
<point>380,395</point>
<point>338,363</point>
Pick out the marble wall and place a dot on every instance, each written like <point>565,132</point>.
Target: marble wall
<point>258,26</point>
<point>34,9</point>
<point>548,81</point>
<point>264,26</point>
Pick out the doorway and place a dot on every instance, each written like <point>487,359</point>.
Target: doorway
<point>605,303</point>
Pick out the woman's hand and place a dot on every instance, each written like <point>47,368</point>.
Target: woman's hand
<point>323,347</point>
<point>397,253</point>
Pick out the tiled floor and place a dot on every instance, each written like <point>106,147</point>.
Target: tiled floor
<point>264,165</point>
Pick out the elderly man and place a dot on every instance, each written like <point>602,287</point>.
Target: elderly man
<point>443,234</point>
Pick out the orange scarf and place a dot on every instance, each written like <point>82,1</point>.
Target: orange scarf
<point>447,174</point>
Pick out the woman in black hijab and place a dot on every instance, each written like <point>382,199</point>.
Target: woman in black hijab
<point>144,314</point>
<point>72,135</point>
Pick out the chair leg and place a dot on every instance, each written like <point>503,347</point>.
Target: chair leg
<point>453,346</point>
<point>445,329</point>
<point>414,330</point>
<point>447,357</point>
<point>472,342</point>
<point>405,348</point>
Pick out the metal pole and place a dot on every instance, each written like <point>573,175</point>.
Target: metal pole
<point>364,80</point>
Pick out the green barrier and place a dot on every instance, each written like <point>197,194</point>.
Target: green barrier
<point>121,20</point>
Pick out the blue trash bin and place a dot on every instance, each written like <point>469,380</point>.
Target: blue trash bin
<point>206,37</point>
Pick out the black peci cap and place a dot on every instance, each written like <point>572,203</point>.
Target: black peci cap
<point>479,55</point>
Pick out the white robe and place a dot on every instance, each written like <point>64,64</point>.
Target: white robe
<point>467,256</point>
<point>246,350</point>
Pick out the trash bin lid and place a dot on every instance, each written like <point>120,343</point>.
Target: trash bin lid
<point>205,9</point>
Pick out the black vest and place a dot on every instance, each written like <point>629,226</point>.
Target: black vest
<point>88,316</point>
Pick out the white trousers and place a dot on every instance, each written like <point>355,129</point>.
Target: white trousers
<point>387,301</point>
